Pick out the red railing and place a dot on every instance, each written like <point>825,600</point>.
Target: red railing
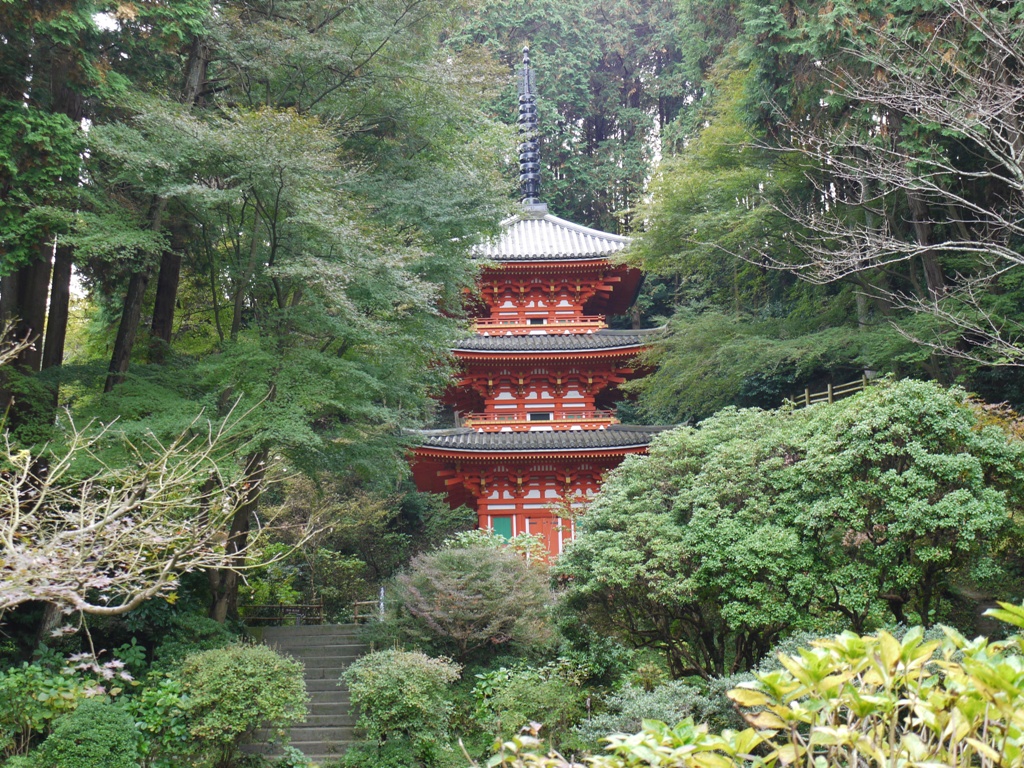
<point>493,422</point>
<point>505,327</point>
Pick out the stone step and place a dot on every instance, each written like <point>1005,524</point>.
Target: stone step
<point>339,705</point>
<point>321,758</point>
<point>325,673</point>
<point>325,684</point>
<point>335,650</point>
<point>311,629</point>
<point>311,641</point>
<point>312,734</point>
<point>326,651</point>
<point>335,720</point>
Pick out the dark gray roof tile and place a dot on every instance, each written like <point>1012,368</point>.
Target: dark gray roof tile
<point>554,342</point>
<point>615,436</point>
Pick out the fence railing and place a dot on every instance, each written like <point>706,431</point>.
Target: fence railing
<point>557,325</point>
<point>368,610</point>
<point>555,420</point>
<point>832,393</point>
<point>309,613</point>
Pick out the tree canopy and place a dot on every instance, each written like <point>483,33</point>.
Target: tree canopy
<point>757,523</point>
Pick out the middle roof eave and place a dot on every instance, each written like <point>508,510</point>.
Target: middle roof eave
<point>558,342</point>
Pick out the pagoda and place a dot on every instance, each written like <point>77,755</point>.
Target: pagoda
<point>535,431</point>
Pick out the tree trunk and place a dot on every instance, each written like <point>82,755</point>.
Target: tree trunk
<point>199,56</point>
<point>170,262</point>
<point>166,299</point>
<point>60,305</point>
<point>935,281</point>
<point>33,283</point>
<point>131,314</point>
<point>224,581</point>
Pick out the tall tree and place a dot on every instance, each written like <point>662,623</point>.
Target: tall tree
<point>323,197</point>
<point>608,83</point>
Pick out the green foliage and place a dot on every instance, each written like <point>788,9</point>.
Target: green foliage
<point>709,360</point>
<point>39,160</point>
<point>404,706</point>
<point>189,633</point>
<point>526,545</point>
<point>551,694</point>
<point>846,699</point>
<point>607,76</point>
<point>759,523</point>
<point>162,723</point>
<point>230,692</point>
<point>96,733</point>
<point>472,601</point>
<point>34,697</point>
<point>626,709</point>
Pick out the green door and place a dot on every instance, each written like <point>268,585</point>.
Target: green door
<point>502,526</point>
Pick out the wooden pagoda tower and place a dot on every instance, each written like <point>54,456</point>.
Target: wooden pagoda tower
<point>535,433</point>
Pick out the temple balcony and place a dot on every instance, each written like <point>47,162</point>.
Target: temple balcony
<point>491,326</point>
<point>538,421</point>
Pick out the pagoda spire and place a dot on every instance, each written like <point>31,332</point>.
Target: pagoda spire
<point>529,147</point>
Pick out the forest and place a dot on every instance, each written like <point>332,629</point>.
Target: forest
<point>236,245</point>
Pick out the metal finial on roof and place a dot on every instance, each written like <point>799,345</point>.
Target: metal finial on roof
<point>529,147</point>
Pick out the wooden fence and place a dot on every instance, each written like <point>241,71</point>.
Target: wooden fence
<point>283,615</point>
<point>829,395</point>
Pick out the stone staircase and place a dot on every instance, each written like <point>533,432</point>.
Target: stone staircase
<point>326,650</point>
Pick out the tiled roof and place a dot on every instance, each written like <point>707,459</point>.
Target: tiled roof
<point>557,342</point>
<point>536,235</point>
<point>615,436</point>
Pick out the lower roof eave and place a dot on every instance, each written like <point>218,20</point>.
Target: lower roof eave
<point>552,453</point>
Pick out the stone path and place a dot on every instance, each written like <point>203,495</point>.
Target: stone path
<point>326,650</point>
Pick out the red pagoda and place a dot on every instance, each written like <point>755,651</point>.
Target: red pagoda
<point>536,433</point>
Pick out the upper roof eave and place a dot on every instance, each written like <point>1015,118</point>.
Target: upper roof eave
<point>544,237</point>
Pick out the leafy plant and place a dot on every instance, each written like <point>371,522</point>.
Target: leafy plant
<point>847,700</point>
<point>190,633</point>
<point>230,692</point>
<point>473,600</point>
<point>551,694</point>
<point>627,709</point>
<point>759,524</point>
<point>33,698</point>
<point>97,733</point>
<point>404,707</point>
<point>162,723</point>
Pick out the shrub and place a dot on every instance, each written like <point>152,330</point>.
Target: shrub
<point>230,692</point>
<point>32,698</point>
<point>849,700</point>
<point>626,710</point>
<point>190,633</point>
<point>473,600</point>
<point>96,734</point>
<point>729,536</point>
<point>162,723</point>
<point>550,695</point>
<point>403,706</point>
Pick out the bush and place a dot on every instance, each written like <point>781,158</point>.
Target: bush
<point>96,734</point>
<point>727,537</point>
<point>849,700</point>
<point>473,600</point>
<point>626,710</point>
<point>190,633</point>
<point>551,695</point>
<point>32,698</point>
<point>404,708</point>
<point>162,723</point>
<point>230,692</point>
